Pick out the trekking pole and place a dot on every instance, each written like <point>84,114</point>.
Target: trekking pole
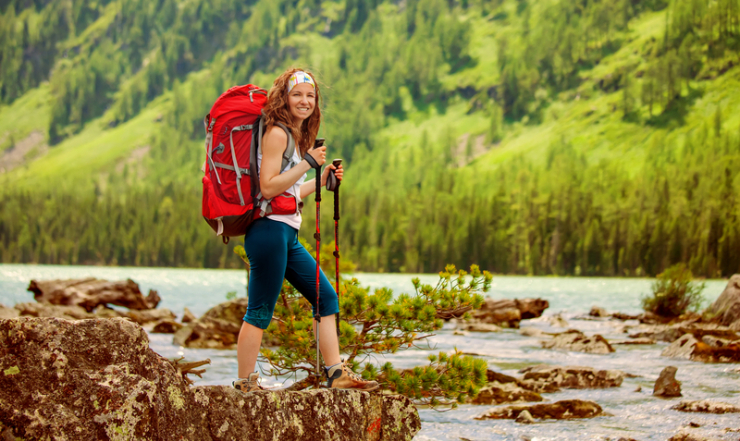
<point>333,185</point>
<point>317,236</point>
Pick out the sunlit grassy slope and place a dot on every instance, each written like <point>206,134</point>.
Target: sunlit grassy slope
<point>587,117</point>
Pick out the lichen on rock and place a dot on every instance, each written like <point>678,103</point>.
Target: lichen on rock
<point>108,384</point>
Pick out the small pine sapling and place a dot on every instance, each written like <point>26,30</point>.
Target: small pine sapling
<point>381,323</point>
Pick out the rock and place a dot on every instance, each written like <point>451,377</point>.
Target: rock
<point>688,436</point>
<point>622,316</point>
<point>571,377</point>
<point>634,341</point>
<point>574,340</point>
<point>531,308</point>
<point>7,313</point>
<point>666,385</point>
<point>524,417</point>
<point>638,389</point>
<point>188,316</point>
<point>671,333</point>
<point>688,347</point>
<point>217,329</point>
<point>598,312</point>
<point>558,321</point>
<point>89,293</point>
<point>151,315</point>
<point>166,327</point>
<point>480,327</point>
<point>48,310</point>
<point>499,393</point>
<point>706,406</point>
<point>529,331</point>
<point>98,379</point>
<point>560,410</point>
<point>508,313</point>
<point>726,308</point>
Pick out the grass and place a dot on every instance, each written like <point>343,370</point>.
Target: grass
<point>94,150</point>
<point>29,113</point>
<point>590,119</point>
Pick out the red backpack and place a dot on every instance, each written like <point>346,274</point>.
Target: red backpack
<point>231,194</point>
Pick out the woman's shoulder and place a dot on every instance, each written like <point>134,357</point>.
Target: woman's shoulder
<point>276,133</point>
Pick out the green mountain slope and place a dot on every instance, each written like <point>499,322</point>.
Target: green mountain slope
<point>540,137</point>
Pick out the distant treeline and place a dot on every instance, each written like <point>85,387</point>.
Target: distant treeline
<point>403,210</point>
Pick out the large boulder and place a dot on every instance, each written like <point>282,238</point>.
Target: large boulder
<point>98,379</point>
<point>574,340</point>
<point>90,293</point>
<point>218,328</point>
<point>509,312</point>
<point>726,308</point>
<point>560,410</point>
<point>571,377</point>
<point>708,350</point>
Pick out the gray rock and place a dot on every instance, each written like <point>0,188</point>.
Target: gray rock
<point>218,328</point>
<point>706,406</point>
<point>187,316</point>
<point>91,292</point>
<point>634,341</point>
<point>571,377</point>
<point>98,379</point>
<point>7,313</point>
<point>574,340</point>
<point>166,326</point>
<point>560,410</point>
<point>666,385</point>
<point>597,311</point>
<point>479,327</point>
<point>525,417</point>
<point>688,436</point>
<point>727,306</point>
<point>712,350</point>
<point>508,313</point>
<point>558,321</point>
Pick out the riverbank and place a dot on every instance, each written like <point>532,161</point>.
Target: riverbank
<point>636,415</point>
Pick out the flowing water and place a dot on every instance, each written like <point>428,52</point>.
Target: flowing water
<point>633,414</point>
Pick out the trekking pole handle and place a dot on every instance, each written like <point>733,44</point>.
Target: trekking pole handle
<point>336,163</point>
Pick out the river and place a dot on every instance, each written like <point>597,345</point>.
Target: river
<point>636,415</point>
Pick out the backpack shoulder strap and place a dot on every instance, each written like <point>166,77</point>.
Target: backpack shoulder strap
<point>290,149</point>
<point>257,141</point>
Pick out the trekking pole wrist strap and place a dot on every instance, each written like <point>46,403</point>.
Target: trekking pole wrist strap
<point>312,162</point>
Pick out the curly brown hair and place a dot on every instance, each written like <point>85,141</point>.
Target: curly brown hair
<point>277,110</point>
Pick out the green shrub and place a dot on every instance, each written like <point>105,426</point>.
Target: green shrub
<point>674,293</point>
<point>379,323</point>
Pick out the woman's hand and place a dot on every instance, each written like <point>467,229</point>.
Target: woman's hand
<point>318,154</point>
<point>339,173</point>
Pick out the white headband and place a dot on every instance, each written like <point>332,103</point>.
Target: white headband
<point>298,78</point>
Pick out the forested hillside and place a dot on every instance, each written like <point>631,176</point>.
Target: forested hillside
<point>530,136</point>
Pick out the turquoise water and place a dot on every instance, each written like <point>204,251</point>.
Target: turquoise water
<point>633,414</point>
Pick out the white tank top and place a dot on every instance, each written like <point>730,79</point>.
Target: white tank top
<point>294,220</point>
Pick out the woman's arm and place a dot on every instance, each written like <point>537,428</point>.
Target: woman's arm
<point>272,182</point>
<point>309,187</point>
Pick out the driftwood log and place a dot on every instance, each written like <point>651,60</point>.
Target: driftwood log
<point>90,293</point>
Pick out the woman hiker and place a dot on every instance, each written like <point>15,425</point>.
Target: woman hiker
<point>272,241</point>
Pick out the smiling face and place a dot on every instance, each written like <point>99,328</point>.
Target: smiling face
<point>301,101</point>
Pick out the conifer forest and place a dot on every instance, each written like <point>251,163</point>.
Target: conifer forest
<point>535,137</point>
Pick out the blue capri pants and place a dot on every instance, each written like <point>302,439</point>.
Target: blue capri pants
<point>275,254</point>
